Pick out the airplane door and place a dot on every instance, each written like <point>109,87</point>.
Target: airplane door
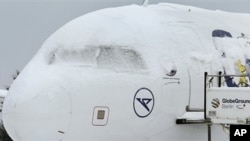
<point>192,60</point>
<point>175,94</point>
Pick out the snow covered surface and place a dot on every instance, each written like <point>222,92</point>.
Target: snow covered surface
<point>3,93</point>
<point>192,116</point>
<point>122,49</point>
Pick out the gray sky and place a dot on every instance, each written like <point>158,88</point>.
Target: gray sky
<point>26,24</point>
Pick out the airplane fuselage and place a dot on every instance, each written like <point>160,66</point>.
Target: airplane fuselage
<point>127,73</point>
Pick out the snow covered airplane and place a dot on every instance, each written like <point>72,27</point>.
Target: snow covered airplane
<point>128,73</point>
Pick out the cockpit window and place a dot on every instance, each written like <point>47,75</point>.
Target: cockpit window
<point>102,57</point>
<point>119,58</point>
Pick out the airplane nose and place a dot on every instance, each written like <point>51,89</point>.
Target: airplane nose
<point>37,114</point>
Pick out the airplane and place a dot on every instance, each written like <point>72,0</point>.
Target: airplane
<point>132,73</point>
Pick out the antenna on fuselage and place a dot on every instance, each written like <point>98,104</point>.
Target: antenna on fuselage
<point>145,3</point>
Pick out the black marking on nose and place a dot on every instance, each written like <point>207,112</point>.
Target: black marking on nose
<point>61,132</point>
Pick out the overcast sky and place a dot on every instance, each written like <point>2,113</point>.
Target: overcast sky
<point>26,24</point>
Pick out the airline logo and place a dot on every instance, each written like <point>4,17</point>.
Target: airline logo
<point>215,103</point>
<point>143,102</point>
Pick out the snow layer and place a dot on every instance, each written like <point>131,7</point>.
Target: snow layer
<point>128,45</point>
<point>3,93</point>
<point>172,30</point>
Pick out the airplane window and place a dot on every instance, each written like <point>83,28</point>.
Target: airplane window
<point>103,57</point>
<point>122,59</point>
<point>84,56</point>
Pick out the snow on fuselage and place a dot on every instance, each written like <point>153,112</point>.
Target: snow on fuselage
<point>125,73</point>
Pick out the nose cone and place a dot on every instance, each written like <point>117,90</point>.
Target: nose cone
<point>37,114</point>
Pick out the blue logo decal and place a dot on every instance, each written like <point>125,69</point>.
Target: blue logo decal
<point>143,102</point>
